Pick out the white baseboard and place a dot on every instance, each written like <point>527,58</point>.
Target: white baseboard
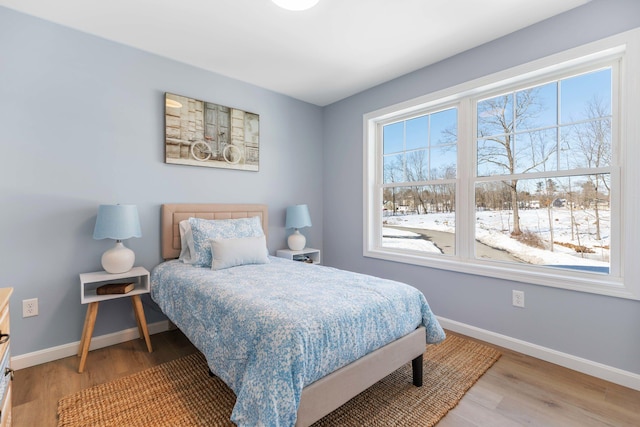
<point>589,367</point>
<point>59,352</point>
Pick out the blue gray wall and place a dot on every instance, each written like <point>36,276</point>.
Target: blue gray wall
<point>82,124</point>
<point>594,327</point>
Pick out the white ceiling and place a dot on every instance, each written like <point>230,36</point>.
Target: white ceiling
<point>322,55</point>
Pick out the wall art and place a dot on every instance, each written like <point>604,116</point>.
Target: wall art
<point>200,133</point>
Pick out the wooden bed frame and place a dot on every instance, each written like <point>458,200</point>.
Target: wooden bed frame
<point>330,392</point>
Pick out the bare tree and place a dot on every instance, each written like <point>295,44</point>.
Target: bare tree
<point>393,172</point>
<point>593,139</point>
<point>416,169</point>
<point>499,118</point>
<point>567,187</point>
<point>417,165</point>
<point>550,189</point>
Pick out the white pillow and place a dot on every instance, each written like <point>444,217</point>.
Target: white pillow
<point>202,230</point>
<point>238,251</point>
<point>186,242</point>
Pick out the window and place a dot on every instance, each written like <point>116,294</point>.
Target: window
<point>419,177</point>
<point>525,175</point>
<point>543,162</point>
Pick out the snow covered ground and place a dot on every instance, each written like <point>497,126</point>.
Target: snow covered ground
<point>493,229</point>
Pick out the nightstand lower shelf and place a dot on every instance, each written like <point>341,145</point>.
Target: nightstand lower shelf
<point>309,255</point>
<point>90,321</point>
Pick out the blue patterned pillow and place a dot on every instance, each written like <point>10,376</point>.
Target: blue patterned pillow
<point>205,229</point>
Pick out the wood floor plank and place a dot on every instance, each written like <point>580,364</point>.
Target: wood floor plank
<point>517,390</point>
<point>484,396</point>
<point>479,415</point>
<point>454,420</point>
<point>571,393</point>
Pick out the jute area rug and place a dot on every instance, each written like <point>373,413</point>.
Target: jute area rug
<point>181,393</point>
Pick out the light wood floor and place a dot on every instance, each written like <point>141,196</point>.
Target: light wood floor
<point>517,391</point>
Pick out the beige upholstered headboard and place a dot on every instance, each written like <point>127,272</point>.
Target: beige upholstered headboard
<point>172,214</point>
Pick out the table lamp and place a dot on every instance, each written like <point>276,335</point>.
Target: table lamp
<point>117,222</point>
<point>297,217</point>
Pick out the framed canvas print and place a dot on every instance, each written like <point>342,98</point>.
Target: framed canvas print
<point>201,133</point>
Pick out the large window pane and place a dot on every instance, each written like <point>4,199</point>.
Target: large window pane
<point>559,222</point>
<point>518,132</point>
<point>420,218</point>
<point>422,148</point>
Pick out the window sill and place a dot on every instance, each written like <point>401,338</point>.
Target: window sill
<point>571,280</point>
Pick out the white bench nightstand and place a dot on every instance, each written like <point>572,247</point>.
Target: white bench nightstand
<point>89,282</point>
<point>309,255</point>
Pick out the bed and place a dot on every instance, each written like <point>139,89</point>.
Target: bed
<point>274,331</point>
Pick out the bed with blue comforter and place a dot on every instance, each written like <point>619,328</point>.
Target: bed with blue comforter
<point>268,330</point>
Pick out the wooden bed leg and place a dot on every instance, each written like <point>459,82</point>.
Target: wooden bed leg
<point>416,364</point>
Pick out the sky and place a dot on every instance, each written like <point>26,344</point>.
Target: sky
<point>558,112</point>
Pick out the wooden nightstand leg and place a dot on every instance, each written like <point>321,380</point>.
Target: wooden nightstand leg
<point>142,321</point>
<point>135,311</point>
<point>84,332</point>
<point>90,322</point>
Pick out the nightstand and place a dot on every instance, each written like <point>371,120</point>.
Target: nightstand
<point>89,283</point>
<point>306,254</point>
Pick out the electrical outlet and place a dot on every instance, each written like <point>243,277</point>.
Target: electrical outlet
<point>517,298</point>
<point>30,307</point>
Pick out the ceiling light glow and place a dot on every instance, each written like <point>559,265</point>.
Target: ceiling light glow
<point>296,4</point>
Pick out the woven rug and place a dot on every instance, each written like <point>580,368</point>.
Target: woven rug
<point>181,393</point>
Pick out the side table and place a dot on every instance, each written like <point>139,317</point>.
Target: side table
<point>89,282</point>
<point>305,255</point>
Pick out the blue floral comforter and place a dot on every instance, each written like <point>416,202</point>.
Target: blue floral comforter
<point>268,330</point>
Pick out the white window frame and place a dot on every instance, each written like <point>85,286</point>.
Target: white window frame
<point>622,280</point>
